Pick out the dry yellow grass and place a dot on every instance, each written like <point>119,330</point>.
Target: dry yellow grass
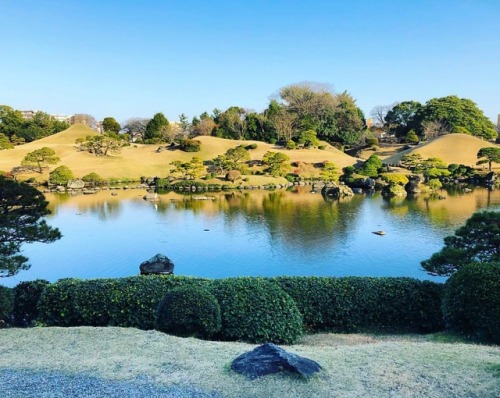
<point>143,160</point>
<point>353,365</point>
<point>451,148</point>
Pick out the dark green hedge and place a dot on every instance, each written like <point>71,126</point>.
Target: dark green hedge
<point>189,311</point>
<point>73,302</point>
<point>471,301</point>
<point>101,302</point>
<point>135,300</point>
<point>256,310</point>
<point>26,297</point>
<point>6,305</point>
<point>360,303</point>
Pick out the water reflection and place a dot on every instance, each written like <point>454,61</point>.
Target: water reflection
<point>248,233</point>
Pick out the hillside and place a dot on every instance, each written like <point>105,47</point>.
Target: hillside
<point>451,148</point>
<point>143,160</point>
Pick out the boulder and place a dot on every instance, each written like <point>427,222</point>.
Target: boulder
<point>159,264</point>
<point>76,184</point>
<point>337,191</point>
<point>269,358</point>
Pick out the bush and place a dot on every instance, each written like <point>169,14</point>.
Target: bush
<point>188,311</point>
<point>290,144</point>
<point>26,297</point>
<point>188,145</point>
<point>322,147</point>
<point>256,310</point>
<point>6,305</point>
<point>61,175</point>
<point>355,303</point>
<point>372,141</point>
<point>233,175</point>
<point>93,179</point>
<point>251,146</point>
<point>395,179</point>
<point>73,302</point>
<point>135,301</point>
<point>128,302</point>
<point>471,302</point>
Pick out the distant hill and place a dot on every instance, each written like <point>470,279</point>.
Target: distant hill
<point>451,148</point>
<point>143,160</point>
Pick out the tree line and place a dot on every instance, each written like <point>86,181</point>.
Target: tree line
<point>299,115</point>
<point>15,130</point>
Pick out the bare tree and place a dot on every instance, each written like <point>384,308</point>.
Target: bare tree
<point>435,128</point>
<point>284,123</point>
<point>204,127</point>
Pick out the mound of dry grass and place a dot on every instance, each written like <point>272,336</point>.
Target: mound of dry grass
<point>143,160</point>
<point>354,365</point>
<point>451,148</point>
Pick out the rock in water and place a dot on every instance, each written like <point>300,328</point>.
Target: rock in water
<point>269,358</point>
<point>158,264</point>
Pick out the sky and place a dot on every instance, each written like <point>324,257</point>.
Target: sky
<point>124,58</point>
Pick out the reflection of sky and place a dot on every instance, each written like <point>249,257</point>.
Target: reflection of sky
<point>248,235</point>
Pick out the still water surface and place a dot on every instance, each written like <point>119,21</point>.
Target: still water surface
<point>255,233</point>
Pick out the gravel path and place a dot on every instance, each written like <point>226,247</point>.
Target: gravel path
<point>24,384</point>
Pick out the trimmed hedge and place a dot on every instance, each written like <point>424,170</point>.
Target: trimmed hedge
<point>471,301</point>
<point>127,302</point>
<point>135,300</point>
<point>6,305</point>
<point>256,310</point>
<point>73,302</point>
<point>252,309</point>
<point>26,297</point>
<point>361,303</point>
<point>188,311</point>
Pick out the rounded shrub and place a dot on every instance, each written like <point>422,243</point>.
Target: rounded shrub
<point>6,305</point>
<point>256,310</point>
<point>188,311</point>
<point>26,297</point>
<point>471,301</point>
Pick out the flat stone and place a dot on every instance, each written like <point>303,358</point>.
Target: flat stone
<point>269,358</point>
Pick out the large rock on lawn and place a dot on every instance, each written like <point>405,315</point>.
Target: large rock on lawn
<point>269,358</point>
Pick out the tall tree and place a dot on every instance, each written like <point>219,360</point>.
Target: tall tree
<point>154,127</point>
<point>21,211</point>
<point>401,118</point>
<point>11,121</point>
<point>490,155</point>
<point>109,124</point>
<point>39,158</point>
<point>232,123</point>
<point>136,127</point>
<point>456,112</point>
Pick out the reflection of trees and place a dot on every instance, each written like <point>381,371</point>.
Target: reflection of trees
<point>452,211</point>
<point>105,210</point>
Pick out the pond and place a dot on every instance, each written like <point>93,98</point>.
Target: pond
<point>248,234</point>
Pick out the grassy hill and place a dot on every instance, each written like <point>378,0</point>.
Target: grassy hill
<point>451,148</point>
<point>143,160</point>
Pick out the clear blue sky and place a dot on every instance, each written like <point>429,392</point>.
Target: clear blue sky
<point>126,58</point>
